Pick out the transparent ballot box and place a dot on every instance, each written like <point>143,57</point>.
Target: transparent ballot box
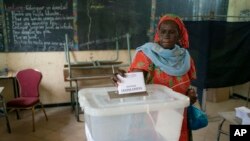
<point>155,117</point>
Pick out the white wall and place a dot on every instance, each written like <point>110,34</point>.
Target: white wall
<point>235,7</point>
<point>3,58</point>
<point>51,64</point>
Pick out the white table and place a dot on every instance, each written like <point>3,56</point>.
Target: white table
<point>229,117</point>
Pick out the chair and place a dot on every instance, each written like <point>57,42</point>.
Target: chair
<point>28,82</point>
<point>3,112</point>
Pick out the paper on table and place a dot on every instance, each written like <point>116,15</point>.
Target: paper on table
<point>133,82</point>
<point>244,114</point>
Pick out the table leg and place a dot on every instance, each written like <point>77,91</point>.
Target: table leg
<point>15,87</point>
<point>219,129</point>
<point>77,111</point>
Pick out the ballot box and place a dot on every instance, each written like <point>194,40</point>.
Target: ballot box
<point>157,116</point>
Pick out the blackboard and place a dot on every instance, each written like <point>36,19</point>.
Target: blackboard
<point>1,27</point>
<point>1,40</point>
<point>41,25</point>
<point>99,21</point>
<point>38,25</point>
<point>1,43</point>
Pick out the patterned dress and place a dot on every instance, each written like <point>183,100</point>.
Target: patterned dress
<point>156,76</point>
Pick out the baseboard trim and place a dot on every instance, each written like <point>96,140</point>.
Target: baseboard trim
<point>240,96</point>
<point>55,105</point>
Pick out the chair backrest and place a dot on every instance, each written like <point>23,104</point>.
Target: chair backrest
<point>28,82</point>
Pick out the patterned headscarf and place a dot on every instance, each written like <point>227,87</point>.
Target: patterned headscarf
<point>183,31</point>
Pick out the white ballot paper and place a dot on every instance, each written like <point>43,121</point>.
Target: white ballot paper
<point>133,82</point>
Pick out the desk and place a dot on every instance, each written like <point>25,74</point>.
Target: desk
<point>11,76</point>
<point>76,80</point>
<point>226,116</point>
<point>3,111</point>
<point>97,70</point>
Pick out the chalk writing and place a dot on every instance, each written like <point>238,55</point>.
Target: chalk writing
<point>39,25</point>
<point>100,41</point>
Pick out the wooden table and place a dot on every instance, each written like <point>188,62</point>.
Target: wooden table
<point>11,76</point>
<point>3,111</point>
<point>111,67</point>
<point>1,90</point>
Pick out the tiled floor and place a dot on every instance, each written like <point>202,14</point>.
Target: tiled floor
<point>62,125</point>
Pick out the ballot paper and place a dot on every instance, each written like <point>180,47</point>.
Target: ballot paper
<point>133,82</point>
<point>244,114</point>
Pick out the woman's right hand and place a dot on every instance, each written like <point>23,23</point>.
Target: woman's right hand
<point>192,95</point>
<point>115,78</point>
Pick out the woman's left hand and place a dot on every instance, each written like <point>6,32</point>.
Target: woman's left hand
<point>192,95</point>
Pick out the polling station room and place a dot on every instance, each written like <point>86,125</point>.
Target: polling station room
<point>124,70</point>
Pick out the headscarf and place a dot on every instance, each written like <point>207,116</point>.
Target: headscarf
<point>183,31</point>
<point>175,62</point>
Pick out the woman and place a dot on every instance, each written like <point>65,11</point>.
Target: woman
<point>167,62</point>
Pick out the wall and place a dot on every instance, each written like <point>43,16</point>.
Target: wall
<point>242,90</point>
<point>3,57</point>
<point>51,65</point>
<point>234,9</point>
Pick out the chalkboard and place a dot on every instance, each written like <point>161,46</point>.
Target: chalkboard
<point>1,39</point>
<point>99,21</point>
<point>1,43</point>
<point>38,25</point>
<point>1,27</point>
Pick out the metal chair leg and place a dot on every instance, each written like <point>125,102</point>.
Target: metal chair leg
<point>17,114</point>
<point>33,118</point>
<point>44,111</point>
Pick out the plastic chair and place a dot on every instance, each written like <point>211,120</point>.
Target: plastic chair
<point>3,112</point>
<point>28,82</point>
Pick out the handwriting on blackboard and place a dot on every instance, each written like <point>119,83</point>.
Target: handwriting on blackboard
<point>100,41</point>
<point>41,27</point>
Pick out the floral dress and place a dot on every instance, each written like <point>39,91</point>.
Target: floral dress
<point>156,76</point>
